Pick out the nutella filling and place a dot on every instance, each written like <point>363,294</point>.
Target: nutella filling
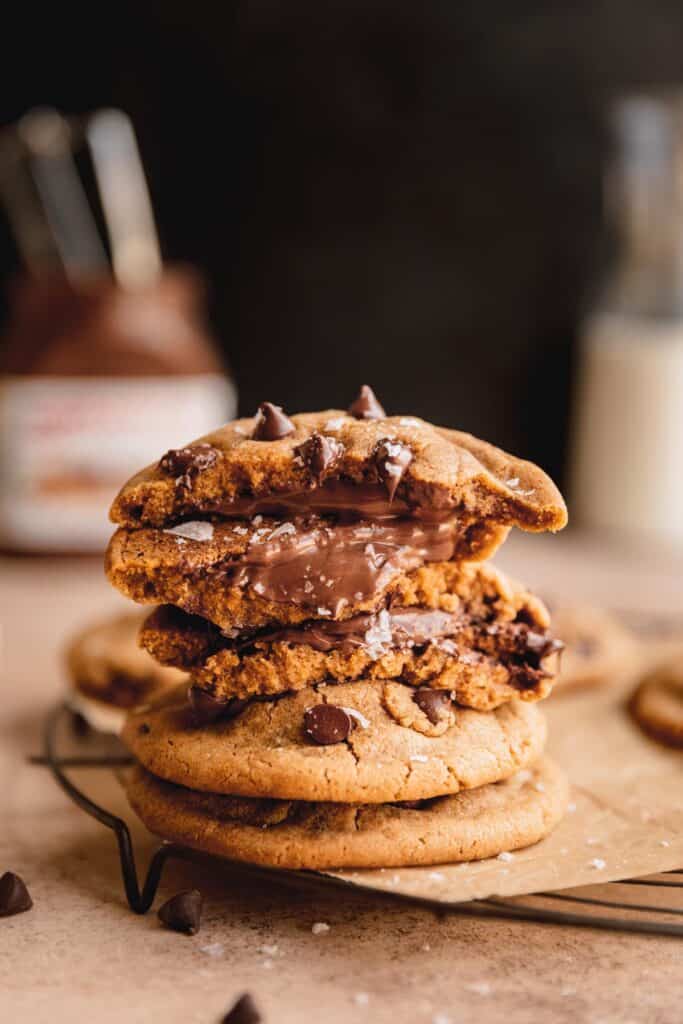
<point>370,500</point>
<point>326,567</point>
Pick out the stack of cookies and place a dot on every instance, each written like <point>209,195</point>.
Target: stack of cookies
<point>363,683</point>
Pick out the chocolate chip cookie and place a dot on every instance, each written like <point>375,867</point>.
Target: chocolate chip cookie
<point>657,704</point>
<point>106,664</point>
<point>472,825</point>
<point>597,647</point>
<point>365,743</point>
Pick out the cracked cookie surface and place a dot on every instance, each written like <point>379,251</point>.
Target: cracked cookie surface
<point>472,825</point>
<point>265,752</point>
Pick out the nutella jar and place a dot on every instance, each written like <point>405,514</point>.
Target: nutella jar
<point>96,380</point>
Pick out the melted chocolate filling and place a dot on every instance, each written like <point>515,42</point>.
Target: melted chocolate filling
<point>327,566</point>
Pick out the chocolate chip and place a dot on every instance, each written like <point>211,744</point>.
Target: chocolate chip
<point>183,912</point>
<point>144,729</point>
<point>327,723</point>
<point>186,463</point>
<point>433,702</point>
<point>14,896</point>
<point>366,406</point>
<point>272,423</point>
<point>392,460</point>
<point>80,726</point>
<point>321,454</point>
<point>243,1012</point>
<point>206,707</point>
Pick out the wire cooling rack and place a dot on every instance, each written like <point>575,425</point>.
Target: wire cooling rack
<point>545,908</point>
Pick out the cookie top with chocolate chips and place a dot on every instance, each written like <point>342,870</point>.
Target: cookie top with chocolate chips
<point>379,746</point>
<point>360,460</point>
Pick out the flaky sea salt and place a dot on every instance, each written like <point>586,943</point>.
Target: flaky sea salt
<point>409,421</point>
<point>195,530</point>
<point>335,423</point>
<point>512,482</point>
<point>269,950</point>
<point>436,876</point>
<point>282,530</point>
<point>212,949</point>
<point>505,856</point>
<point>482,988</point>
<point>363,722</point>
<point>320,928</point>
<point>420,758</point>
<point>361,998</point>
<point>597,863</point>
<point>571,808</point>
<point>259,588</point>
<point>664,842</point>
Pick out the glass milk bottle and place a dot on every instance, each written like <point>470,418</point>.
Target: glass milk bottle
<point>627,472</point>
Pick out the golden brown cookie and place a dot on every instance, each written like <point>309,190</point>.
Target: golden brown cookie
<point>325,460</point>
<point>487,641</point>
<point>105,662</point>
<point>344,742</point>
<point>657,704</point>
<point>471,825</point>
<point>597,647</point>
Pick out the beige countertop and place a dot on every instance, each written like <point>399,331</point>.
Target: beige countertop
<point>80,954</point>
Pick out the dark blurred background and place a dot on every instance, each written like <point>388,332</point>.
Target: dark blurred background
<point>399,193</point>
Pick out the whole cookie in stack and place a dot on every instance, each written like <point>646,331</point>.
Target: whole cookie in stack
<point>363,685</point>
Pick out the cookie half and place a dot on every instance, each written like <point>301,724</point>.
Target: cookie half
<point>657,705</point>
<point>471,825</point>
<point>359,743</point>
<point>105,663</point>
<point>487,640</point>
<point>333,460</point>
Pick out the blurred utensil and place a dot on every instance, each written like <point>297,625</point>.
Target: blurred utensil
<point>136,257</point>
<point>47,138</point>
<point>27,218</point>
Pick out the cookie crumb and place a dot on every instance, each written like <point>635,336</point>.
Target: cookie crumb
<point>320,928</point>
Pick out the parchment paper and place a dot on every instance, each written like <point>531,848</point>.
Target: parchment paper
<point>626,816</point>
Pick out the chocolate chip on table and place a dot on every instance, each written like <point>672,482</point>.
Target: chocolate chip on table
<point>243,1012</point>
<point>14,896</point>
<point>366,406</point>
<point>207,708</point>
<point>188,462</point>
<point>321,454</point>
<point>183,912</point>
<point>326,724</point>
<point>272,423</point>
<point>433,702</point>
<point>392,459</point>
